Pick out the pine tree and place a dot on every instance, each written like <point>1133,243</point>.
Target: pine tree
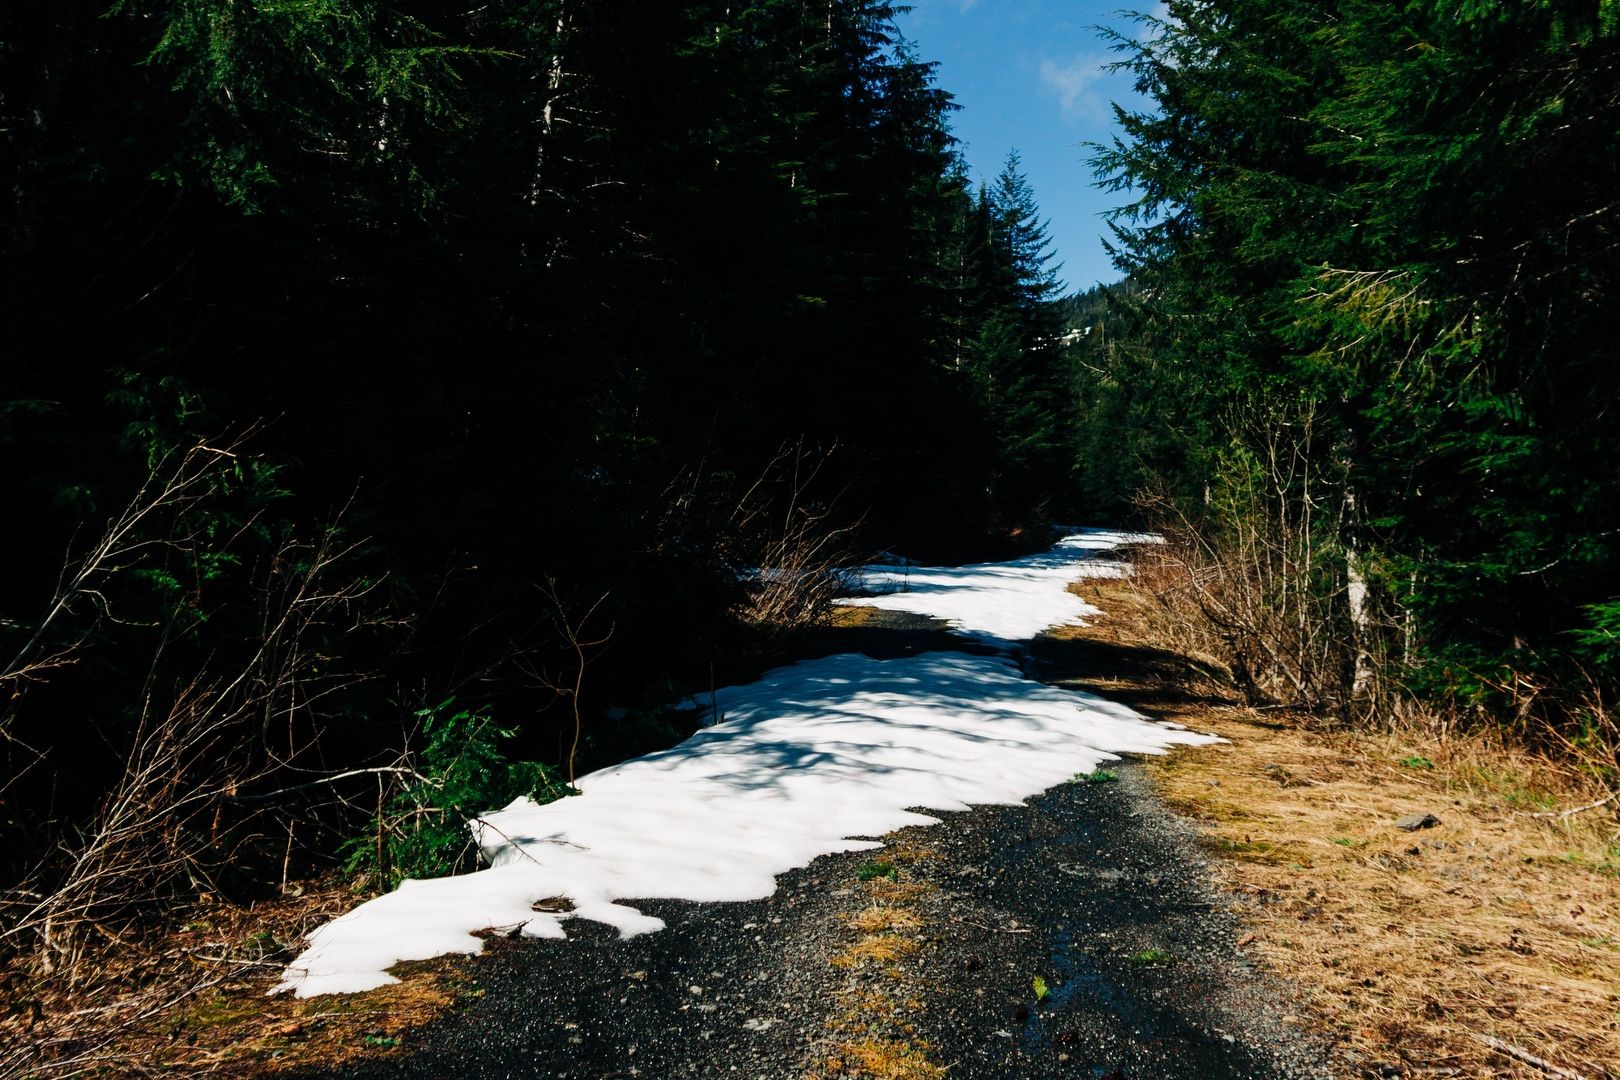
<point>1015,356</point>
<point>1378,245</point>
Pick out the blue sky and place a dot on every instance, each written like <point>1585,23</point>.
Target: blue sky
<point>1027,74</point>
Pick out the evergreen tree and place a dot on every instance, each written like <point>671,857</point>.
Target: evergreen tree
<point>531,290</point>
<point>1374,246</point>
<point>1015,355</point>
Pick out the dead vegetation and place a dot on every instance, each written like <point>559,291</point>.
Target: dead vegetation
<point>1487,944</point>
<point>195,1001</point>
<point>874,1032</point>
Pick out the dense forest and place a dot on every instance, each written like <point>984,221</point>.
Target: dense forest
<point>1366,367</point>
<point>396,395</point>
<point>374,368</point>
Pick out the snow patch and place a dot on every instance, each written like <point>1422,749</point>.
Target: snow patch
<point>1005,602</point>
<point>802,763</point>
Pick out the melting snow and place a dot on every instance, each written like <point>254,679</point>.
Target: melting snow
<point>807,761</point>
<point>1003,602</point>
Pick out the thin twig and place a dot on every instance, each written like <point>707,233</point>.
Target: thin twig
<point>1564,815</point>
<point>1519,1053</point>
<point>334,778</point>
<point>238,960</point>
<point>993,929</point>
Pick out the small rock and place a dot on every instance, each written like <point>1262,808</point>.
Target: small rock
<point>1414,822</point>
<point>694,990</point>
<point>758,1024</point>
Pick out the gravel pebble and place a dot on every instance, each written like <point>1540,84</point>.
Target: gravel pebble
<point>1139,953</point>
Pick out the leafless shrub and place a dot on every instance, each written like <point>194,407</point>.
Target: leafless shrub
<point>579,639</point>
<point>1269,580</point>
<point>1569,721</point>
<point>172,817</point>
<point>174,484</point>
<point>797,555</point>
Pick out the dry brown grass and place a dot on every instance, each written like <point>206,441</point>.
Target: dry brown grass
<point>908,852</point>
<point>882,1059</point>
<point>883,891</point>
<point>883,919</point>
<point>881,949</point>
<point>874,1031</point>
<point>1409,947</point>
<point>195,1002</point>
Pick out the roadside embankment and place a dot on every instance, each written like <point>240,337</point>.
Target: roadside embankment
<point>1485,942</point>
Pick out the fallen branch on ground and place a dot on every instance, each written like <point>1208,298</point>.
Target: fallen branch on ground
<point>1519,1053</point>
<point>398,770</point>
<point>1564,815</point>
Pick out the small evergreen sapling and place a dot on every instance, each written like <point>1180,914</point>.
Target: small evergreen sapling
<point>422,830</point>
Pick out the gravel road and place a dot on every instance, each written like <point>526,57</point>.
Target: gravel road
<point>1094,887</point>
<point>1097,888</point>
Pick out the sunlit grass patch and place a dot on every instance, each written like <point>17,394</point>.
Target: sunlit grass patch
<point>882,1059</point>
<point>1096,776</point>
<point>874,1030</point>
<point>910,853</point>
<point>883,918</point>
<point>1516,789</point>
<point>888,891</point>
<point>1391,922</point>
<point>1262,851</point>
<point>1503,918</point>
<point>880,949</point>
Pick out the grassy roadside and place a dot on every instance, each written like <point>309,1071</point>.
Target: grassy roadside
<point>195,1001</point>
<point>1465,948</point>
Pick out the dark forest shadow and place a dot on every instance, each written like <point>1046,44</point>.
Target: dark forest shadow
<point>1152,681</point>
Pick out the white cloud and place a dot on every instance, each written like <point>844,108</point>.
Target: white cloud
<point>1160,13</point>
<point>1076,85</point>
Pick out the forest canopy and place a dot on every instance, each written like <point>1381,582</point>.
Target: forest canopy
<point>1368,353</point>
<point>373,367</point>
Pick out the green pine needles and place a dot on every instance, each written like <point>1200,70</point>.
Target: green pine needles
<point>423,829</point>
<point>1370,331</point>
